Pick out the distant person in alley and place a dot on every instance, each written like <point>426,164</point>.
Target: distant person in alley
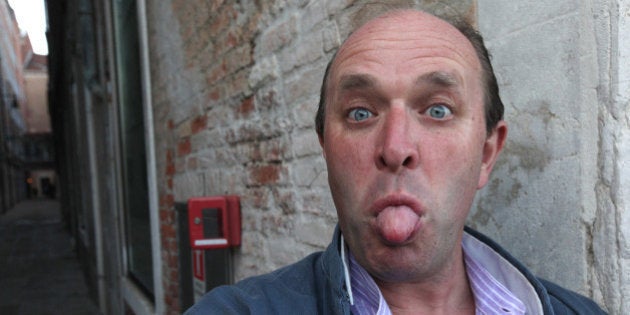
<point>411,124</point>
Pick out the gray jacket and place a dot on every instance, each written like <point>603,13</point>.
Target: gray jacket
<point>316,285</point>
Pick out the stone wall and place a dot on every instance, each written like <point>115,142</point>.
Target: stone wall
<point>558,193</point>
<point>235,89</point>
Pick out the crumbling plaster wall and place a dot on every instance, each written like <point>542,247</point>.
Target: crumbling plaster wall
<point>235,88</point>
<point>559,195</point>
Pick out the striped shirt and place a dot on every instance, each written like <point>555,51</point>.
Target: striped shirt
<point>491,297</point>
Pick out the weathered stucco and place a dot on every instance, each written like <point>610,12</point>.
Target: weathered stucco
<point>559,193</point>
<point>236,85</point>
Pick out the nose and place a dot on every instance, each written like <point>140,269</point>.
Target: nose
<point>397,148</point>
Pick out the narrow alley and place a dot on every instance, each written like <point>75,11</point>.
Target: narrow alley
<point>39,269</point>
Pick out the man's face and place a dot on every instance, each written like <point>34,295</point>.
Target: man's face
<point>405,143</point>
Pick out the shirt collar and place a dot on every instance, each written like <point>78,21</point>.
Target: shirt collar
<point>491,296</point>
<point>503,271</point>
<point>365,296</point>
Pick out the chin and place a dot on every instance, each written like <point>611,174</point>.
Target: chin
<point>396,264</point>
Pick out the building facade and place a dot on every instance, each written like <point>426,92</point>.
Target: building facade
<point>157,102</point>
<point>13,187</point>
<point>39,150</point>
<point>26,146</point>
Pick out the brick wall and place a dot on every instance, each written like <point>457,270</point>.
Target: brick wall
<point>235,90</point>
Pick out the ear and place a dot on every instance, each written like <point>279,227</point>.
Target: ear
<point>491,149</point>
<point>321,143</point>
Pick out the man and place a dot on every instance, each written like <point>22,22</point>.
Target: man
<point>410,123</point>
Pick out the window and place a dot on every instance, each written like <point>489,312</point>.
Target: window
<point>133,147</point>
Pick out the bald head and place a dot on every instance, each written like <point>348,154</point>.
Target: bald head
<point>411,29</point>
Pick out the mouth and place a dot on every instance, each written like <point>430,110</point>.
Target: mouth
<point>397,219</point>
<point>396,200</point>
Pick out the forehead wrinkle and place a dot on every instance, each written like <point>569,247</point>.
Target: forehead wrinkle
<point>446,47</point>
<point>416,26</point>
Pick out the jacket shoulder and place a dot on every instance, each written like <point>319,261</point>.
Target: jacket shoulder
<point>565,301</point>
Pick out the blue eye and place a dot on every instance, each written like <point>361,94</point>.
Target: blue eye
<point>439,111</point>
<point>359,114</point>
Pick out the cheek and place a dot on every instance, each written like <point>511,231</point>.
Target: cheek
<point>458,150</point>
<point>453,165</point>
<point>348,156</point>
<point>349,165</point>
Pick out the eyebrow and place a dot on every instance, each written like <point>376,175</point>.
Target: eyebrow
<point>356,82</point>
<point>439,78</point>
<point>365,81</point>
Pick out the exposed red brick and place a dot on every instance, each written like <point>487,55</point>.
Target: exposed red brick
<point>170,170</point>
<point>247,106</point>
<point>184,147</point>
<point>170,245</point>
<point>222,20</point>
<point>232,39</point>
<point>163,244</point>
<point>162,202</point>
<point>169,299</point>
<point>227,41</point>
<point>168,230</point>
<point>198,124</point>
<point>174,275</point>
<point>170,124</point>
<point>169,156</point>
<point>167,200</point>
<point>163,216</point>
<point>167,216</point>
<point>172,260</point>
<point>265,174</point>
<point>215,94</point>
<point>173,288</point>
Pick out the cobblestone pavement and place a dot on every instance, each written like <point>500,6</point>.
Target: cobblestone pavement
<point>39,270</point>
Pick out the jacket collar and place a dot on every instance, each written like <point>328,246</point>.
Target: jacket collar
<point>515,276</point>
<point>332,267</point>
<point>503,266</point>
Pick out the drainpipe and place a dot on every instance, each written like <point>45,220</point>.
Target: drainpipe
<point>158,288</point>
<point>96,202</point>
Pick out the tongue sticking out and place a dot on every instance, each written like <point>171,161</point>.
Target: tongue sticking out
<point>397,224</point>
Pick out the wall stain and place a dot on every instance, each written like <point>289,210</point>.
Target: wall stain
<point>530,157</point>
